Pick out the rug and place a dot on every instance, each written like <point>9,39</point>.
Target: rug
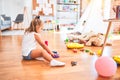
<point>12,32</point>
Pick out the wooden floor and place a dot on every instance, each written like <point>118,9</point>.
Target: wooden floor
<point>12,67</point>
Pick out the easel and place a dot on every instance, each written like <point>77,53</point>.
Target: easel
<point>0,32</point>
<point>25,16</point>
<point>108,29</point>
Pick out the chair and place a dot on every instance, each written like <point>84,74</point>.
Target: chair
<point>19,21</point>
<point>5,22</point>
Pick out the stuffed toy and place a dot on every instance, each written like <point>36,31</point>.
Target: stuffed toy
<point>97,40</point>
<point>88,39</point>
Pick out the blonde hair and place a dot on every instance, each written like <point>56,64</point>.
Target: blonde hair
<point>33,24</point>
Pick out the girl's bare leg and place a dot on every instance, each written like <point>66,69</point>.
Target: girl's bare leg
<point>41,53</point>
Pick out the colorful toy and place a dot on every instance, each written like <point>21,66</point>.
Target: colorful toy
<point>74,45</point>
<point>97,40</point>
<point>82,49</point>
<point>89,39</point>
<point>105,66</point>
<point>57,21</point>
<point>73,63</point>
<point>117,59</point>
<point>92,53</point>
<point>99,52</point>
<point>56,55</point>
<point>87,50</point>
<point>46,42</point>
<point>75,50</point>
<point>66,40</point>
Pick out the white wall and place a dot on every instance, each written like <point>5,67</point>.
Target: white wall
<point>1,8</point>
<point>13,7</point>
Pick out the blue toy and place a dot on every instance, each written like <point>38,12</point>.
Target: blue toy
<point>56,55</point>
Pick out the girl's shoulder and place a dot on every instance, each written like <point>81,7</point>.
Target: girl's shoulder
<point>29,34</point>
<point>36,34</point>
<point>32,34</point>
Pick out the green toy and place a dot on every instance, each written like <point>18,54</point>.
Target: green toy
<point>66,40</point>
<point>87,50</point>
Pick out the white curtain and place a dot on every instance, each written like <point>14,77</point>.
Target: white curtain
<point>92,19</point>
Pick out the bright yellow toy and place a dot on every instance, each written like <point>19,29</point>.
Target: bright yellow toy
<point>74,45</point>
<point>99,52</point>
<point>117,59</point>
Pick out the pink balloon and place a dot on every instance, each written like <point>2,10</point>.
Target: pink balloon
<point>105,66</point>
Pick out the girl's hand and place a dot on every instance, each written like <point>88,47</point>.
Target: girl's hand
<point>52,54</point>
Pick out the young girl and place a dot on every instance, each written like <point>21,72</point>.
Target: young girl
<point>30,50</point>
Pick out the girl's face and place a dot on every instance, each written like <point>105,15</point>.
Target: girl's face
<point>39,28</point>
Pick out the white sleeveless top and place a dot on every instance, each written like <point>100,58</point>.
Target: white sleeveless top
<point>28,43</point>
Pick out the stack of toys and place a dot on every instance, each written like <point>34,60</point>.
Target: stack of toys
<point>88,39</point>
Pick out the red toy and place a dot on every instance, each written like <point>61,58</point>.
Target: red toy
<point>75,50</point>
<point>46,42</point>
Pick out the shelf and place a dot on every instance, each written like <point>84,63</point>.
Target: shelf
<point>113,20</point>
<point>67,4</point>
<point>65,8</point>
<point>65,11</point>
<point>68,18</point>
<point>63,21</point>
<point>68,11</point>
<point>50,15</point>
<point>44,8</point>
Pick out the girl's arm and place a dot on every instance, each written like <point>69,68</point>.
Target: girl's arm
<point>38,39</point>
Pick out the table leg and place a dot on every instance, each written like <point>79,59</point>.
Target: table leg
<point>106,36</point>
<point>0,32</point>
